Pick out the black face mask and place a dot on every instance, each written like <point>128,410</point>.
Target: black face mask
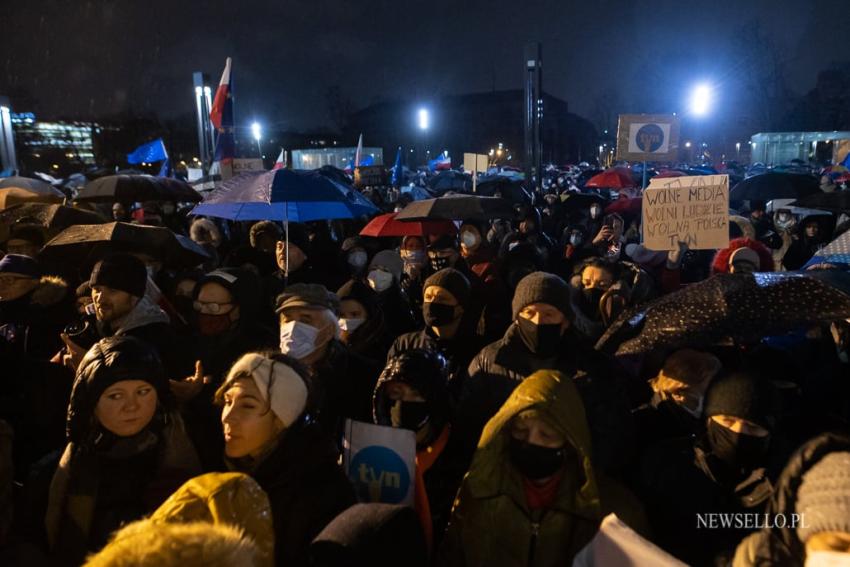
<point>535,462</point>
<point>736,449</point>
<point>678,415</point>
<point>414,415</point>
<point>440,262</point>
<point>590,301</point>
<point>542,340</point>
<point>438,314</point>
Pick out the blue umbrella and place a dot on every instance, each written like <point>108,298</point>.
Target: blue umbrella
<point>284,195</point>
<point>837,253</point>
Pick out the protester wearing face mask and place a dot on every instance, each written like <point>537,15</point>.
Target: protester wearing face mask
<point>416,267</point>
<point>530,231</point>
<point>362,323</point>
<point>341,381</point>
<point>810,239</point>
<point>534,494</point>
<point>678,397</point>
<point>355,258</point>
<point>722,471</point>
<point>541,336</point>
<point>483,260</point>
<point>813,487</point>
<point>268,435</point>
<point>412,393</point>
<point>384,277</point>
<point>446,331</point>
<point>609,241</point>
<point>587,288</point>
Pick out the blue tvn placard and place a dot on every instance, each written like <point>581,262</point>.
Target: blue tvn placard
<point>649,138</point>
<point>379,475</point>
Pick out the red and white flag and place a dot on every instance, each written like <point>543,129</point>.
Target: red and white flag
<point>222,97</point>
<point>281,161</point>
<point>359,153</point>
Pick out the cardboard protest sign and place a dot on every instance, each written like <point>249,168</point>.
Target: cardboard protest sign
<point>693,210</point>
<point>648,137</point>
<point>380,462</point>
<point>475,162</point>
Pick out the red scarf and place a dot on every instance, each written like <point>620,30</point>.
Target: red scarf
<point>425,459</point>
<point>541,496</point>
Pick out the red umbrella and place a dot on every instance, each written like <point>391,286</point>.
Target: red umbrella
<point>670,173</point>
<point>612,179</point>
<point>626,207</point>
<point>386,225</point>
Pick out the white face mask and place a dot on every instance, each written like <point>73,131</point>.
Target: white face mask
<point>594,211</point>
<point>379,280</point>
<point>357,258</point>
<point>298,339</point>
<point>350,325</point>
<point>413,257</point>
<point>469,239</point>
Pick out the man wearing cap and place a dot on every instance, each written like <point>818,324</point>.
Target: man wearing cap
<point>445,300</point>
<point>118,284</point>
<point>297,254</point>
<point>721,471</point>
<point>34,308</point>
<point>341,382</point>
<point>541,337</point>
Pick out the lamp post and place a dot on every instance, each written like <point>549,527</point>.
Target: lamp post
<point>423,120</point>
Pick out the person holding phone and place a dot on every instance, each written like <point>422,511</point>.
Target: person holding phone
<point>609,241</point>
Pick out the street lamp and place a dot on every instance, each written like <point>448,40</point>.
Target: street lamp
<point>701,99</point>
<point>257,132</point>
<point>424,119</point>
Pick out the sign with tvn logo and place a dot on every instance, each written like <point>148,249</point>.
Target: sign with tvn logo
<point>380,462</point>
<point>648,137</point>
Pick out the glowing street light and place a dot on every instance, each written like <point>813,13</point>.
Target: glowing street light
<point>257,132</point>
<point>424,119</point>
<point>701,99</point>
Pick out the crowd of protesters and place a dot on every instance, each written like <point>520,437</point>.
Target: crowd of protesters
<point>161,417</point>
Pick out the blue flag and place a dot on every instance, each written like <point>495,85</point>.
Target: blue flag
<point>398,173</point>
<point>148,153</point>
<point>166,169</point>
<point>846,162</point>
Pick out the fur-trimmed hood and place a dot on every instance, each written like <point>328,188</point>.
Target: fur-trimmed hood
<point>204,231</point>
<point>50,291</point>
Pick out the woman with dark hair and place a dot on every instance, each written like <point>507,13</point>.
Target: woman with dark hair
<point>127,450</point>
<point>363,327</point>
<point>269,436</point>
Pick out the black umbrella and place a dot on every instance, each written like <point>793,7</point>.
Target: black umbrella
<point>85,244</point>
<point>51,218</point>
<point>457,207</point>
<point>446,181</point>
<point>727,306</point>
<point>838,201</point>
<point>511,189</point>
<point>573,200</point>
<point>768,186</point>
<point>131,188</point>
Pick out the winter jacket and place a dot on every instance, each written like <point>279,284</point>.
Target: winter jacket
<point>224,498</point>
<point>398,314</point>
<point>306,488</point>
<point>496,315</point>
<point>31,325</point>
<point>492,523</point>
<point>781,546</point>
<point>502,365</point>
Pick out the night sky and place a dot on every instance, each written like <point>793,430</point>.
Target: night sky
<point>93,58</point>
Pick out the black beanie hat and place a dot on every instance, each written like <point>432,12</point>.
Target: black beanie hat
<point>298,236</point>
<point>124,272</point>
<point>744,396</point>
<point>108,362</point>
<point>451,280</point>
<point>542,287</point>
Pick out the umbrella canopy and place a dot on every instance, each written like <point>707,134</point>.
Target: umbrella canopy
<point>446,181</point>
<point>52,218</point>
<point>836,252</point>
<point>387,225</point>
<point>574,201</point>
<point>667,173</point>
<point>768,186</point>
<point>614,178</point>
<point>742,307</point>
<point>837,201</point>
<point>511,189</point>
<point>457,207</point>
<point>284,195</point>
<point>85,244</point>
<point>131,188</point>
<point>15,190</point>
<point>626,207</point>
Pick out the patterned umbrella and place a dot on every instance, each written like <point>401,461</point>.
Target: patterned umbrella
<point>727,306</point>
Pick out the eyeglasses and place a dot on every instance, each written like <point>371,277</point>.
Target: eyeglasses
<point>209,307</point>
<point>11,280</point>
